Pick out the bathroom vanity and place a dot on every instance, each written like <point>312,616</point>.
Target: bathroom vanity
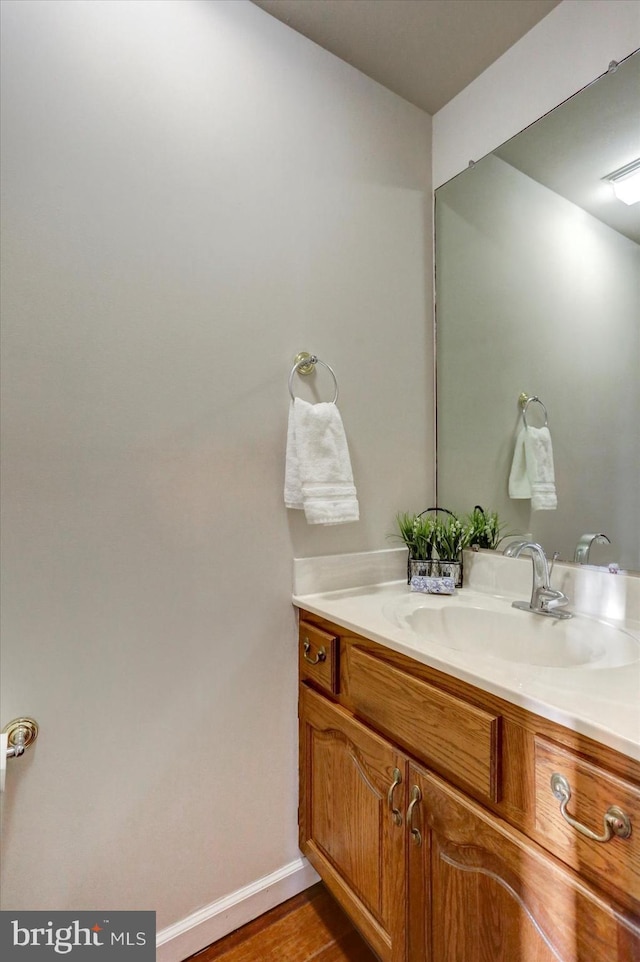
<point>426,801</point>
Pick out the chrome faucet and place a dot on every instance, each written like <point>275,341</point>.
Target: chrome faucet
<point>545,600</point>
<point>583,547</point>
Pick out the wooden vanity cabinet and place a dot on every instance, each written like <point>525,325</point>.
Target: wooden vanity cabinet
<point>352,805</point>
<point>424,807</point>
<point>484,893</point>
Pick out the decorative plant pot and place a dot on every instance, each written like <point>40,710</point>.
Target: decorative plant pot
<point>451,569</point>
<point>435,569</point>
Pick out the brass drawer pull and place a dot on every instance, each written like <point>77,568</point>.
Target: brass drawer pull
<point>321,656</point>
<point>397,780</point>
<point>616,822</point>
<point>416,796</point>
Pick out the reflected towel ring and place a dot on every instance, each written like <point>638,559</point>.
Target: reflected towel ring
<point>525,401</point>
<point>304,364</point>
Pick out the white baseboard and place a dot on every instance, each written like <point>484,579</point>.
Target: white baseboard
<point>216,920</point>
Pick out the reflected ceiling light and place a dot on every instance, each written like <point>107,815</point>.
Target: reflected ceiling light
<point>626,182</point>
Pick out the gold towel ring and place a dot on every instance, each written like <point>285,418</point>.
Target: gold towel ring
<point>304,364</point>
<point>525,401</point>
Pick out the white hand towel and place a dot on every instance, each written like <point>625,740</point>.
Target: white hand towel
<point>318,475</point>
<point>519,485</point>
<point>532,472</point>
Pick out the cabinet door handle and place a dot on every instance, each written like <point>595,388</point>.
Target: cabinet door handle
<point>321,656</point>
<point>416,796</point>
<point>616,822</point>
<point>397,780</point>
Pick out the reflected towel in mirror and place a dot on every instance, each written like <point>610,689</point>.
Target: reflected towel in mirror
<point>532,472</point>
<point>318,475</point>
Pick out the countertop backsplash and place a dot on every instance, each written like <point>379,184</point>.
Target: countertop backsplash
<point>333,572</point>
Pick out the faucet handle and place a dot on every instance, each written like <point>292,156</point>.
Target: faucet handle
<point>556,555</point>
<point>549,599</point>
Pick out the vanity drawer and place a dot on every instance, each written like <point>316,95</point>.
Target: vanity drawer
<point>318,656</point>
<point>614,864</point>
<point>449,734</point>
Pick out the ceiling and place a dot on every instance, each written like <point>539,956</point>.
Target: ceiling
<point>426,51</point>
<point>592,134</point>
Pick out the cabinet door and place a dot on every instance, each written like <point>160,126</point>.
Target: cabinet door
<point>482,892</point>
<point>352,804</point>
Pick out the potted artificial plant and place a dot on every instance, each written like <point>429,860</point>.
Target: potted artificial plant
<point>435,544</point>
<point>484,528</point>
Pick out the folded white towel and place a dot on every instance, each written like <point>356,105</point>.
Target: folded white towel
<point>318,475</point>
<point>539,454</point>
<point>532,472</point>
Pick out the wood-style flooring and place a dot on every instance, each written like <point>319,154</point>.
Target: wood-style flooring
<point>309,926</point>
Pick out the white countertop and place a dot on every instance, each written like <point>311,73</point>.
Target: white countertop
<point>601,703</point>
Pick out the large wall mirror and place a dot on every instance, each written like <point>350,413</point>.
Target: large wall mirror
<point>538,292</point>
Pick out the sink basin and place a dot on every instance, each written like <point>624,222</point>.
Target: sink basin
<point>493,628</point>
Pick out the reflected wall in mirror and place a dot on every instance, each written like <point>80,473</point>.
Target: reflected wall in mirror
<point>538,291</point>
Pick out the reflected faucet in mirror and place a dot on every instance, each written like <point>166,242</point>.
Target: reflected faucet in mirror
<point>583,547</point>
<point>545,600</point>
